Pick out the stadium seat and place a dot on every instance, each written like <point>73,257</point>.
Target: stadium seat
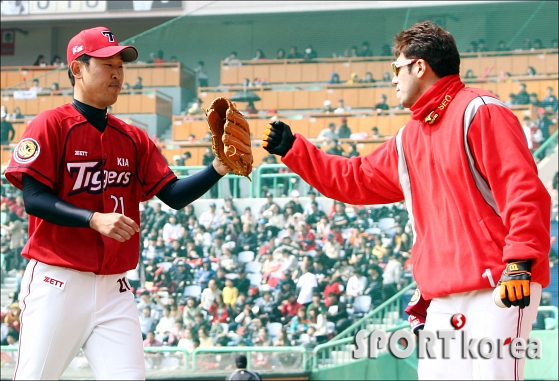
<point>361,305</point>
<point>192,290</point>
<point>386,224</point>
<point>255,279</point>
<point>253,267</point>
<point>273,329</point>
<point>245,256</point>
<point>166,265</point>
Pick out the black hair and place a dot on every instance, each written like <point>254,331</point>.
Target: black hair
<point>83,58</point>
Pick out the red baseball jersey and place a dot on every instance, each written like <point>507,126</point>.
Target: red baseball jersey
<point>110,171</point>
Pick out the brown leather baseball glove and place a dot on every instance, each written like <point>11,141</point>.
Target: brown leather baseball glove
<point>230,136</point>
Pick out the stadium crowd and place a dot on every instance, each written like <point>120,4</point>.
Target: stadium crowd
<point>276,276</point>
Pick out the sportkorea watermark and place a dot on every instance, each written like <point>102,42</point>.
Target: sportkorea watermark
<point>426,341</point>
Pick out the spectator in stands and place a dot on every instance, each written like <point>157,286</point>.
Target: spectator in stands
<point>202,74</point>
<point>36,88</point>
<point>473,48</point>
<point>522,97</point>
<point>152,253</point>
<point>172,230</point>
<point>353,79</point>
<point>352,151</point>
<point>386,76</point>
<point>218,310</point>
<point>165,324</point>
<point>232,59</point>
<point>374,285</point>
<point>259,55</point>
<point>550,100</point>
<point>527,128</point>
<point>159,58</point>
<point>554,43</point>
<point>382,105</point>
<point>306,285</point>
<point>187,341</point>
<point>230,293</point>
<point>537,44</point>
<point>55,89</point>
<point>189,311</point>
<point>335,148</point>
<point>209,295</point>
<point>481,47</point>
<point>337,312</point>
<point>247,239</point>
<point>299,324</point>
<point>310,53</point>
<point>368,78</point>
<point>205,274</point>
<point>40,61</point>
<point>339,219</point>
<point>7,129</point>
<point>282,340</point>
<point>276,220</point>
<point>154,359</point>
<point>356,285</point>
<point>280,55</point>
<point>289,308</point>
<point>470,74</point>
<point>391,276</point>
<point>12,318</point>
<point>375,134</point>
<point>228,261</point>
<point>343,131</point>
<point>332,247</point>
<point>329,133</point>
<point>365,51</point>
<point>544,123</point>
<point>57,61</point>
<point>334,79</point>
<point>147,321</point>
<point>502,46</point>
<point>181,274</point>
<point>210,219</point>
<point>250,109</point>
<point>386,50</point>
<point>242,282</point>
<point>294,53</point>
<point>138,85</point>
<point>534,101</point>
<point>341,107</point>
<point>126,87</point>
<point>204,337</point>
<point>308,210</point>
<point>351,52</point>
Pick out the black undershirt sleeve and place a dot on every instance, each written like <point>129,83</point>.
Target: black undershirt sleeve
<point>179,193</point>
<point>40,202</point>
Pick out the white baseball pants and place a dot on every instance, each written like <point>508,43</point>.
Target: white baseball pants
<point>63,310</point>
<point>483,320</point>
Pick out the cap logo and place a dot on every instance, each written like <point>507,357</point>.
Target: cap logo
<point>77,49</point>
<point>109,35</point>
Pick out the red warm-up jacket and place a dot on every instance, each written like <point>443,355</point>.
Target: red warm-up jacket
<point>470,184</point>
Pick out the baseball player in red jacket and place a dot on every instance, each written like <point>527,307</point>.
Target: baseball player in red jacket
<point>479,212</point>
<point>83,173</point>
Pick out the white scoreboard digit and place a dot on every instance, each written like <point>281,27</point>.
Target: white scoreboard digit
<point>67,6</point>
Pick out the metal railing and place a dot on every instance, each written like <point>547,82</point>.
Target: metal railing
<point>337,352</point>
<point>543,151</point>
<point>385,316</point>
<point>301,362</point>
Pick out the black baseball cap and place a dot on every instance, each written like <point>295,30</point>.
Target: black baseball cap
<point>241,361</point>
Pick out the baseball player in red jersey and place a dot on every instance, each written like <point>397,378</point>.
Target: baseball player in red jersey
<point>83,173</point>
<point>479,212</point>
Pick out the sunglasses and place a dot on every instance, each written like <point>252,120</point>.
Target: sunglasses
<point>398,64</point>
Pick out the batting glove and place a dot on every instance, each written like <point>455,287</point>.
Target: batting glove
<point>515,284</point>
<point>417,309</point>
<point>278,138</point>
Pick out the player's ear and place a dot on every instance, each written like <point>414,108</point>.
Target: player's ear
<point>76,67</point>
<point>422,67</point>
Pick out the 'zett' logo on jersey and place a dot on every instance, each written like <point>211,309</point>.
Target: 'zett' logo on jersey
<point>89,177</point>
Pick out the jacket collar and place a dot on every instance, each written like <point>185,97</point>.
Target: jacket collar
<point>432,105</point>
